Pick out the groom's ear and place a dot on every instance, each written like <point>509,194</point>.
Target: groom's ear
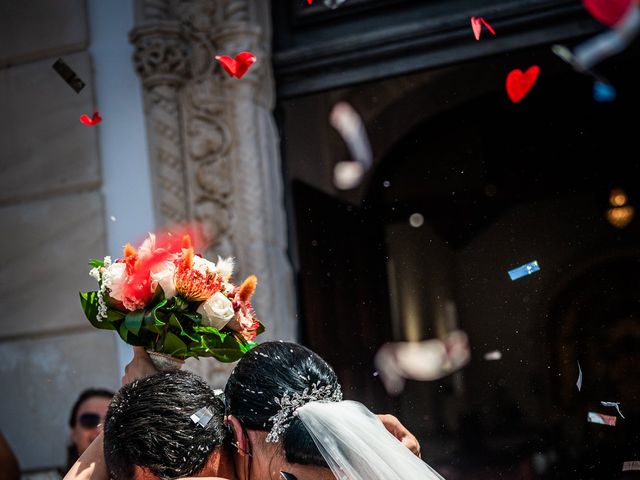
<point>239,439</point>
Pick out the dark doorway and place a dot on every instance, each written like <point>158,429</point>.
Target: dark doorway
<point>497,185</point>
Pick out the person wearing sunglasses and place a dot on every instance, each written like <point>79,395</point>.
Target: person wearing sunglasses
<point>87,415</point>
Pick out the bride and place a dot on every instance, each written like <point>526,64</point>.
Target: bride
<point>285,408</point>
<point>288,422</point>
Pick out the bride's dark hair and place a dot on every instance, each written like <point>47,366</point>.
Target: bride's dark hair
<point>269,371</point>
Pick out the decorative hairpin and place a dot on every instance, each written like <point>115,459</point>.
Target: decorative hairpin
<point>202,417</point>
<point>290,403</point>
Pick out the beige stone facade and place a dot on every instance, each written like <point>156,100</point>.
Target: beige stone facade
<point>213,144</point>
<point>52,217</point>
<point>213,157</point>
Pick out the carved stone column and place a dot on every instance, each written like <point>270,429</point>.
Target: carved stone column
<point>213,142</point>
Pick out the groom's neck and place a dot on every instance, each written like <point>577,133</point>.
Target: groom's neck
<point>220,464</point>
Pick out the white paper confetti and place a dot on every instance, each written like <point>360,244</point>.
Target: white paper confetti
<point>613,404</point>
<point>579,381</point>
<point>601,419</point>
<point>350,126</point>
<point>494,355</point>
<point>631,465</point>
<point>424,361</point>
<point>333,4</point>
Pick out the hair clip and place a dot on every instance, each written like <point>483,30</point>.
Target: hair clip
<point>202,417</point>
<point>288,476</point>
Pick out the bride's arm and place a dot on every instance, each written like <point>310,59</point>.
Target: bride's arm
<point>90,465</point>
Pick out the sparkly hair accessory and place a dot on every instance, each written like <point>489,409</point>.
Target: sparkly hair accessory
<point>290,403</point>
<point>202,417</point>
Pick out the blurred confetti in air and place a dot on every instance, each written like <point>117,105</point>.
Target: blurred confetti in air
<point>424,361</point>
<point>68,75</point>
<point>494,355</point>
<point>348,174</point>
<point>524,270</point>
<point>602,419</point>
<point>579,381</point>
<point>518,83</point>
<point>603,92</point>
<point>631,465</point>
<point>333,4</point>
<point>623,18</point>
<point>476,26</point>
<point>613,404</point>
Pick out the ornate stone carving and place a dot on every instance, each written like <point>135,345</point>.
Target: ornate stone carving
<point>213,141</point>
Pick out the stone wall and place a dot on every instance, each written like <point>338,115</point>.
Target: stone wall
<point>52,217</point>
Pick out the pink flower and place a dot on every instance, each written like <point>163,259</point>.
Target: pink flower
<point>244,322</point>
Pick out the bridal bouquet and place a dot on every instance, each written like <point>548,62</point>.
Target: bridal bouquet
<point>164,297</point>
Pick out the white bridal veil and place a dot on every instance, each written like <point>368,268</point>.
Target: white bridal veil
<point>356,445</point>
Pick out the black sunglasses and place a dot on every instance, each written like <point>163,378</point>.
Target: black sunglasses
<point>89,420</point>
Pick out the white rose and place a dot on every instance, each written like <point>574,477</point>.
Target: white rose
<point>163,274</point>
<point>113,278</point>
<point>217,311</point>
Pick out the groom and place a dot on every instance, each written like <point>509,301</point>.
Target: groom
<point>149,435</point>
<point>149,432</point>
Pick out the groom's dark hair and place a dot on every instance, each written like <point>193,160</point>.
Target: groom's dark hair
<point>149,424</point>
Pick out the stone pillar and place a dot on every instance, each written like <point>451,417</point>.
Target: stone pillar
<point>214,144</point>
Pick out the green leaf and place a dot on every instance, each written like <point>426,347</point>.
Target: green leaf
<point>210,331</point>
<point>194,317</point>
<point>89,301</point>
<point>224,347</point>
<point>133,321</point>
<point>113,315</point>
<point>173,345</point>
<point>175,322</point>
<point>96,263</point>
<point>124,333</point>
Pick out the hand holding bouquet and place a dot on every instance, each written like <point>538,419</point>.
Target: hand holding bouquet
<point>168,299</point>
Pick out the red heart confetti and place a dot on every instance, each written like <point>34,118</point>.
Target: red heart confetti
<point>96,119</point>
<point>476,25</point>
<point>608,12</point>
<point>237,67</point>
<point>519,83</point>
